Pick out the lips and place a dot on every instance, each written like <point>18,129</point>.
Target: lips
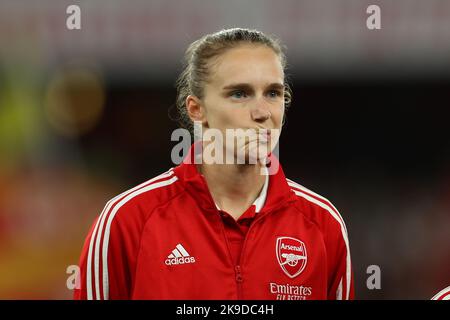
<point>264,138</point>
<point>259,135</point>
<point>264,135</point>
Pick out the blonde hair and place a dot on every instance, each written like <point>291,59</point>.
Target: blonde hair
<point>197,64</point>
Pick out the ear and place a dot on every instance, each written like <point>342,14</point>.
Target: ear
<point>195,109</point>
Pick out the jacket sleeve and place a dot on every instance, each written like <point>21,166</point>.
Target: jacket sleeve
<point>80,292</point>
<point>108,258</point>
<point>340,274</point>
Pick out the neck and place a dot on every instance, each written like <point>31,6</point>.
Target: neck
<point>233,187</point>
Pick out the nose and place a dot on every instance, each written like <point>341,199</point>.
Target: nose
<point>260,112</point>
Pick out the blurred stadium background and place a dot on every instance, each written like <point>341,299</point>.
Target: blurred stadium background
<point>84,116</point>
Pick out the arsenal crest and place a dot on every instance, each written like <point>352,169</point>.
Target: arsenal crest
<point>291,255</point>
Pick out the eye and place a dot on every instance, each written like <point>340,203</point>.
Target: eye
<point>274,93</point>
<point>238,94</point>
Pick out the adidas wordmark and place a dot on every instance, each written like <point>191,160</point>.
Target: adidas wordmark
<point>179,255</point>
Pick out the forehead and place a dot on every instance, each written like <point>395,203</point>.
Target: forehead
<point>253,64</point>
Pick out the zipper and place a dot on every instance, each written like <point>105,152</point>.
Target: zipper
<point>241,258</point>
<point>238,281</point>
<point>237,268</point>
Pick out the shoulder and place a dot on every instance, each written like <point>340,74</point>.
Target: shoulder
<point>119,227</point>
<point>138,202</point>
<point>444,294</point>
<point>317,208</point>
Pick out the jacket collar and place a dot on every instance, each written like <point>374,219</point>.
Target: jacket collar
<point>276,192</point>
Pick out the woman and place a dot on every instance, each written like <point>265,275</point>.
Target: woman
<point>208,230</point>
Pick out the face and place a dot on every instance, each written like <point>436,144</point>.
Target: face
<point>246,91</point>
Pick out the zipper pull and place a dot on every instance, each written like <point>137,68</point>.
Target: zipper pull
<point>238,273</point>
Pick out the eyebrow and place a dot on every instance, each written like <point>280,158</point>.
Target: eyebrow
<point>247,86</point>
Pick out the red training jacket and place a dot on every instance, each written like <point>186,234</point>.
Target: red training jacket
<point>165,239</point>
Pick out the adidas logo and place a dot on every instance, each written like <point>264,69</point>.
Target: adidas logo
<point>179,255</point>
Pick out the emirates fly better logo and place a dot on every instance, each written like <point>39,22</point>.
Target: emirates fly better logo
<point>291,255</point>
